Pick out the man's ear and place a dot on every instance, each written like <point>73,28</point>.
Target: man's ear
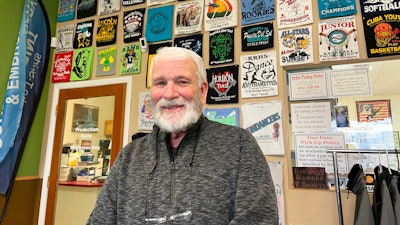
<point>203,90</point>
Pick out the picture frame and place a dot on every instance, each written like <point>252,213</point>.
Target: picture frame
<point>342,116</point>
<point>372,111</point>
<point>85,118</point>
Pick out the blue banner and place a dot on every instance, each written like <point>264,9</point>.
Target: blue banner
<point>25,84</point>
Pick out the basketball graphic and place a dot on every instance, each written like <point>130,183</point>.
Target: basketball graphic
<point>384,33</point>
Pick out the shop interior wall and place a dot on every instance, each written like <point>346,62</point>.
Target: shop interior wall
<point>302,206</point>
<point>24,202</point>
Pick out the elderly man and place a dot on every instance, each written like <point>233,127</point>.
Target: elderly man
<point>188,170</point>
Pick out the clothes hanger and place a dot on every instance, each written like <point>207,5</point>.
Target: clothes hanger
<point>387,158</point>
<point>380,164</point>
<point>359,160</point>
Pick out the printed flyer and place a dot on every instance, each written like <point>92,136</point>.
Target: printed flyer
<point>188,17</point>
<point>82,64</point>
<point>295,46</point>
<point>220,14</point>
<point>257,37</point>
<point>66,10</point>
<point>62,67</point>
<point>257,11</point>
<point>222,46</point>
<point>106,31</point>
<point>108,6</point>
<point>84,34</point>
<point>293,13</point>
<point>223,85</point>
<point>259,77</point>
<point>337,39</point>
<point>133,24</point>
<point>131,58</point>
<point>145,120</point>
<point>311,149</point>
<point>65,38</point>
<point>264,121</point>
<point>106,61</point>
<point>192,42</point>
<point>228,116</point>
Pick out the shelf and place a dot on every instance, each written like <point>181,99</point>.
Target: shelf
<point>81,183</point>
<point>84,164</point>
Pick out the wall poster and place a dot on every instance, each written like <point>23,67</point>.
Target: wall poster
<point>259,76</point>
<point>311,149</point>
<point>295,46</point>
<point>188,17</point>
<point>337,39</point>
<point>220,14</point>
<point>85,118</point>
<point>294,13</point>
<point>372,111</point>
<point>264,121</point>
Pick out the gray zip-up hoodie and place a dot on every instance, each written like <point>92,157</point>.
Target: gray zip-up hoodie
<point>219,176</point>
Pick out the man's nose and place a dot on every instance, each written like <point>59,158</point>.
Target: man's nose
<point>171,91</point>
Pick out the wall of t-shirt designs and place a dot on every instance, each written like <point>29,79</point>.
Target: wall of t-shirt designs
<point>247,47</point>
<point>245,44</point>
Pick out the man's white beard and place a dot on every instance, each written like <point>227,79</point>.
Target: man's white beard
<point>177,122</point>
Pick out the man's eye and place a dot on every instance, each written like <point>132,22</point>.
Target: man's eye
<point>182,82</point>
<point>159,83</point>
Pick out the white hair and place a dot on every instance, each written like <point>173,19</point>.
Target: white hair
<point>180,53</point>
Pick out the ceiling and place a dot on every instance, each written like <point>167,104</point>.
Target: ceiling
<point>385,77</point>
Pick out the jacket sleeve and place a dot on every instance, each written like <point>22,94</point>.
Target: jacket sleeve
<point>255,200</point>
<point>105,209</point>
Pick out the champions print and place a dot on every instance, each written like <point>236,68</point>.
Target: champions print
<point>337,8</point>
